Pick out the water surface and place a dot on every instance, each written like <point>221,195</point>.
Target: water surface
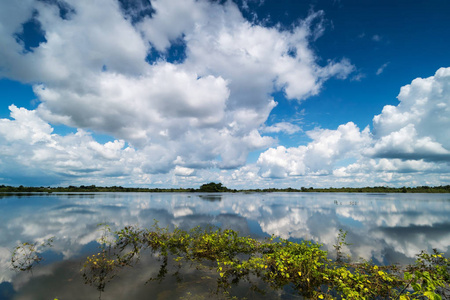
<point>387,228</point>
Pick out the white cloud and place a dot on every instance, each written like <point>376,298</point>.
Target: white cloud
<point>286,127</point>
<point>208,110</point>
<point>138,109</point>
<point>408,144</point>
<point>253,57</point>
<point>358,77</point>
<point>318,157</point>
<point>92,74</point>
<point>171,19</point>
<point>405,143</point>
<point>76,48</point>
<point>382,68</point>
<point>28,141</point>
<point>419,126</point>
<point>182,171</point>
<point>28,127</point>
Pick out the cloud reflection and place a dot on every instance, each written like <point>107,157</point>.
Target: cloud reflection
<point>386,228</point>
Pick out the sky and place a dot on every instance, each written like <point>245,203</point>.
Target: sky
<point>249,93</point>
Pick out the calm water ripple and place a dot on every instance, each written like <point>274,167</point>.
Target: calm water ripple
<point>387,228</point>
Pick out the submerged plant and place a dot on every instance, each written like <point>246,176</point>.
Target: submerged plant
<point>274,262</point>
<point>100,268</point>
<point>277,262</point>
<point>340,243</point>
<point>26,255</point>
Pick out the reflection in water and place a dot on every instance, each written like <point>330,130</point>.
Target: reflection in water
<point>211,197</point>
<point>387,228</point>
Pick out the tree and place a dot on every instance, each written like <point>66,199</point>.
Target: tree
<point>212,187</point>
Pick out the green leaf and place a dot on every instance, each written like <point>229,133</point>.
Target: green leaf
<point>431,295</point>
<point>408,276</point>
<point>416,287</point>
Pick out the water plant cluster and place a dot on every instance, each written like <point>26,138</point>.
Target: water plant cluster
<point>276,262</point>
<point>279,263</point>
<point>27,255</point>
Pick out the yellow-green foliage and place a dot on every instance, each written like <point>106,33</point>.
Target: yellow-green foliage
<point>277,262</point>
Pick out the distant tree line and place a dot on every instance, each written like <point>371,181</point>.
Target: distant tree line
<point>213,187</point>
<point>88,189</point>
<point>376,189</point>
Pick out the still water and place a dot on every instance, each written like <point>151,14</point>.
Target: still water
<point>387,228</point>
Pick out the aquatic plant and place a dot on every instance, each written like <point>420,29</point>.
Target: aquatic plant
<point>277,262</point>
<point>27,255</point>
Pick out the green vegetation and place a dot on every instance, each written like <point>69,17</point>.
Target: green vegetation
<point>27,255</point>
<point>275,262</point>
<point>376,189</point>
<point>218,187</point>
<point>85,189</point>
<point>213,188</point>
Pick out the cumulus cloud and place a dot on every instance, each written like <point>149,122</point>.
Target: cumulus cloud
<point>207,110</point>
<point>159,105</point>
<point>407,141</point>
<point>93,71</point>
<point>75,48</point>
<point>171,19</point>
<point>319,156</point>
<point>27,140</point>
<point>182,171</point>
<point>419,126</point>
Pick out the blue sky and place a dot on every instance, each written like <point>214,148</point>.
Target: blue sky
<point>250,93</point>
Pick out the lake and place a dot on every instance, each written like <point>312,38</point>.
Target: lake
<point>386,228</point>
